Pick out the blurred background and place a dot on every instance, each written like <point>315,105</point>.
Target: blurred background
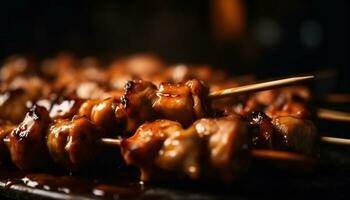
<point>269,38</point>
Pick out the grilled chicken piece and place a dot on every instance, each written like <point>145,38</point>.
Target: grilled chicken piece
<point>86,108</point>
<point>135,107</point>
<point>289,101</point>
<point>142,102</point>
<point>102,114</point>
<point>143,147</point>
<point>209,149</point>
<point>27,142</point>
<point>297,135</point>
<point>286,133</point>
<point>228,146</point>
<point>183,102</point>
<point>74,143</point>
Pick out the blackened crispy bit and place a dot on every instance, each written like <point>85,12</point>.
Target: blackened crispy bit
<point>65,108</point>
<point>74,143</point>
<point>262,130</point>
<point>210,149</point>
<point>295,134</point>
<point>27,142</point>
<point>135,107</point>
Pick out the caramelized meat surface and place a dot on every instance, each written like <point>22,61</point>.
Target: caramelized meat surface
<point>102,114</point>
<point>74,143</point>
<point>289,101</point>
<point>294,134</point>
<point>183,102</point>
<point>27,142</point>
<point>135,107</point>
<point>210,147</point>
<point>228,146</point>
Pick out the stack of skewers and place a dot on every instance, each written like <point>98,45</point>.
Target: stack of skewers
<point>190,126</point>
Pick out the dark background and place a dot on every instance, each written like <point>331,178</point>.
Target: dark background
<point>278,38</point>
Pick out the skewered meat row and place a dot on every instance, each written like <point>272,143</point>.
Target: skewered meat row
<point>108,114</point>
<point>69,142</point>
<point>196,151</point>
<point>162,144</point>
<point>289,101</point>
<point>210,148</point>
<point>111,115</point>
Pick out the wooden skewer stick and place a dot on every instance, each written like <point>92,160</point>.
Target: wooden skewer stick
<point>322,113</point>
<point>333,115</point>
<point>278,155</point>
<point>257,153</point>
<point>257,87</point>
<point>328,140</point>
<point>111,142</point>
<point>337,141</point>
<point>260,153</point>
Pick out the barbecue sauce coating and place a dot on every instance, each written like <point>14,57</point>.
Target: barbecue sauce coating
<point>136,104</point>
<point>289,101</point>
<point>74,143</point>
<point>102,114</point>
<point>286,133</point>
<point>295,134</point>
<point>183,102</point>
<point>228,145</point>
<point>27,142</point>
<point>209,149</point>
<point>143,147</point>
